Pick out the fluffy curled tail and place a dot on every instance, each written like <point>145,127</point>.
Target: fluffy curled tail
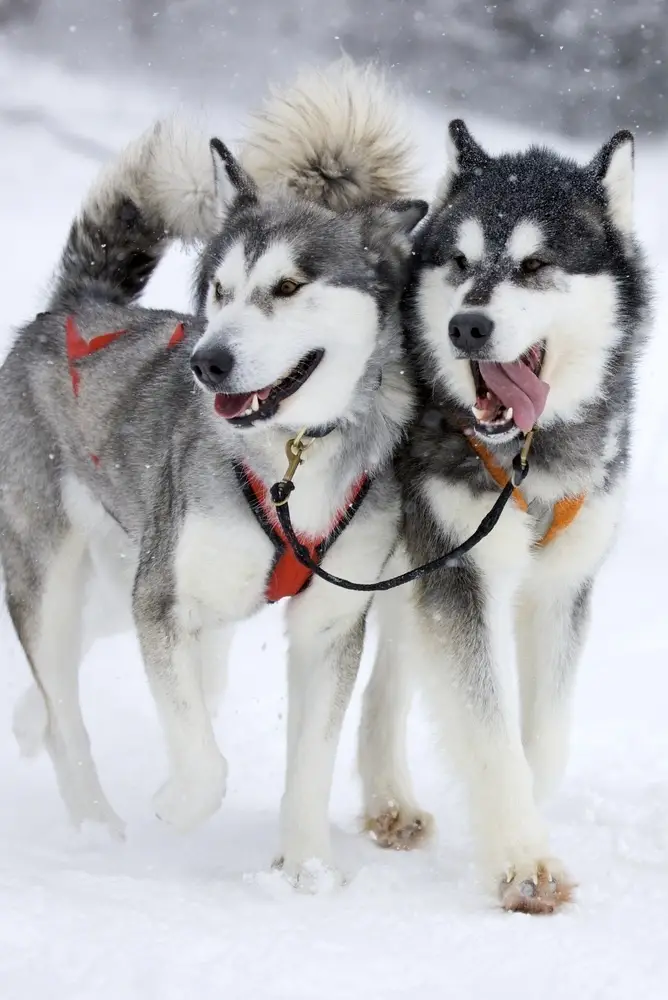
<point>336,137</point>
<point>159,189</point>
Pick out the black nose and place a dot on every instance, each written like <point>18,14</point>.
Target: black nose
<point>469,331</point>
<point>211,365</point>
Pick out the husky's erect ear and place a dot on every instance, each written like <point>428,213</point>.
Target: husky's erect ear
<point>405,214</point>
<point>398,218</point>
<point>463,154</point>
<point>387,231</point>
<point>463,151</point>
<point>613,167</point>
<point>232,181</point>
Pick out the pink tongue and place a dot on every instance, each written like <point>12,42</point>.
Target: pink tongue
<point>231,406</point>
<point>517,386</point>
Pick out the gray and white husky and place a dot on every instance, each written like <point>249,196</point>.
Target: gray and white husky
<point>527,310</point>
<point>116,460</point>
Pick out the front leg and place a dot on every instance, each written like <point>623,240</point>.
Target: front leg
<point>459,636</point>
<point>552,620</point>
<point>551,630</point>
<point>323,662</point>
<point>458,630</point>
<point>172,657</point>
<point>326,628</point>
<point>392,815</point>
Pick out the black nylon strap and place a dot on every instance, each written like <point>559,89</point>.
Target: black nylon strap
<point>280,494</point>
<point>269,529</point>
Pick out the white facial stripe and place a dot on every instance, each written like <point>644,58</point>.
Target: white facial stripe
<point>525,240</point>
<point>278,262</point>
<point>231,272</point>
<point>471,240</point>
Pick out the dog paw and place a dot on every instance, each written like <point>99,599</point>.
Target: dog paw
<point>83,797</point>
<point>400,829</point>
<point>185,801</point>
<point>106,817</point>
<point>540,890</point>
<point>312,877</point>
<point>84,806</point>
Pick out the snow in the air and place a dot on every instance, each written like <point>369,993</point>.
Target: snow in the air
<point>201,917</point>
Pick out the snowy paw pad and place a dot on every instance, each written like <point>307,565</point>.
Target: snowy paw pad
<point>311,877</point>
<point>540,893</point>
<point>400,830</point>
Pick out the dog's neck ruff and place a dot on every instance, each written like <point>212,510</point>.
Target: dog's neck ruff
<point>288,576</point>
<point>564,511</point>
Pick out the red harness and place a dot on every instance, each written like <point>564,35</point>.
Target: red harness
<point>77,348</point>
<point>288,577</point>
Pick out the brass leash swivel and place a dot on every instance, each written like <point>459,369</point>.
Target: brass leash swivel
<point>526,447</point>
<point>294,449</point>
<point>521,460</point>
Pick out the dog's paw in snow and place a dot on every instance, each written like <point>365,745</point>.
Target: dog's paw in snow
<point>542,889</point>
<point>399,828</point>
<point>87,803</point>
<point>186,800</point>
<point>311,877</point>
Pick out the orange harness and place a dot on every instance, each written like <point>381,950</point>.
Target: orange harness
<point>288,577</point>
<point>564,512</point>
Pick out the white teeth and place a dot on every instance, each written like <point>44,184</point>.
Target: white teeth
<point>509,413</point>
<point>477,413</point>
<point>489,395</point>
<point>248,412</point>
<point>255,404</point>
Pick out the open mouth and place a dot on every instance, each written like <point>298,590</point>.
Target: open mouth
<point>510,396</point>
<point>246,408</point>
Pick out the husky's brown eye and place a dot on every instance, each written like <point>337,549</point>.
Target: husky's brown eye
<point>532,264</point>
<point>217,291</point>
<point>461,261</point>
<point>287,287</point>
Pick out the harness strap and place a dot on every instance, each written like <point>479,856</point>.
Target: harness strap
<point>76,348</point>
<point>289,576</point>
<point>564,511</point>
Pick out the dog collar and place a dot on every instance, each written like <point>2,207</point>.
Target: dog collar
<point>288,577</point>
<point>564,511</point>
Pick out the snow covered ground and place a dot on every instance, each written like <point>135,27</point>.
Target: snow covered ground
<point>170,917</point>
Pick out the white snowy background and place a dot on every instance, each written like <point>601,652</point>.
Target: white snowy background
<point>201,917</point>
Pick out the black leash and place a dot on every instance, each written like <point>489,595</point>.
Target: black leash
<point>280,494</point>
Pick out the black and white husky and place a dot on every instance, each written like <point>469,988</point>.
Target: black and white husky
<point>117,461</point>
<point>527,310</point>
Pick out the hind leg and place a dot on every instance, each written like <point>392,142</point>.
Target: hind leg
<point>215,646</point>
<point>30,721</point>
<point>49,627</point>
<point>392,815</point>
